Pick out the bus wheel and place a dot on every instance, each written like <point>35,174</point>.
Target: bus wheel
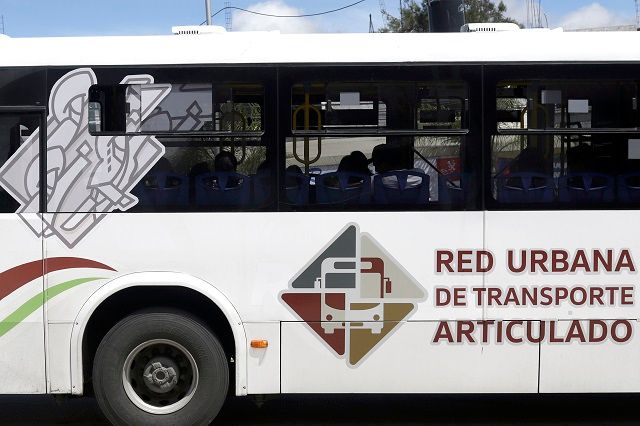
<point>163,368</point>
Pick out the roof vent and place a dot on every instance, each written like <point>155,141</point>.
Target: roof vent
<point>198,29</point>
<point>488,27</point>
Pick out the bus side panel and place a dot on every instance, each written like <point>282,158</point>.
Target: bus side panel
<point>573,366</point>
<point>576,367</point>
<point>408,362</point>
<point>400,353</point>
<point>22,360</point>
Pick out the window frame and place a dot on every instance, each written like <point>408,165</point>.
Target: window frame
<point>470,74</point>
<point>494,74</point>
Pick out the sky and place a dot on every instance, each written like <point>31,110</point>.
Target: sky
<point>37,18</point>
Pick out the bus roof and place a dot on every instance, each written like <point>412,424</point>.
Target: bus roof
<point>358,48</point>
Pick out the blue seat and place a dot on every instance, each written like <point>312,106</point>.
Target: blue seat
<point>523,187</point>
<point>163,189</point>
<point>296,189</point>
<point>222,189</point>
<point>343,188</point>
<point>401,187</point>
<point>586,188</point>
<point>629,188</point>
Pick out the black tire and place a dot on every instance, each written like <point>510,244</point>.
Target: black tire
<point>167,335</point>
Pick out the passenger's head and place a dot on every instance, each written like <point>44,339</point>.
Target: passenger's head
<point>347,164</point>
<point>380,157</point>
<point>294,174</point>
<point>163,166</point>
<point>392,156</point>
<point>294,168</point>
<point>360,162</point>
<point>199,169</point>
<point>225,162</point>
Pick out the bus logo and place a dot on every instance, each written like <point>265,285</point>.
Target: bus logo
<point>353,295</point>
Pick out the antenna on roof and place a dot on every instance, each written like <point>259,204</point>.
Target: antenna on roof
<point>207,6</point>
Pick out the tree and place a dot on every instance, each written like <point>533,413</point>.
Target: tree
<point>486,11</point>
<point>415,17</point>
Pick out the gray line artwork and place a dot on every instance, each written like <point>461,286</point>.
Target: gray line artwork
<point>88,176</point>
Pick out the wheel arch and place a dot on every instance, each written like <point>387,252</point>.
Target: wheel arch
<point>164,282</point>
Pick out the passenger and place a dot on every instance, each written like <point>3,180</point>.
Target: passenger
<point>226,162</point>
<point>163,165</point>
<point>360,163</point>
<point>291,172</point>
<point>528,161</point>
<point>351,165</point>
<point>389,158</point>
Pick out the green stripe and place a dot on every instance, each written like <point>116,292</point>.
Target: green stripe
<point>36,302</point>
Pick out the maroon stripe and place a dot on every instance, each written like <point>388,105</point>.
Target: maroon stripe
<point>14,278</point>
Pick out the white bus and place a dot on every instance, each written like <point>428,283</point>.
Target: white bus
<point>189,216</point>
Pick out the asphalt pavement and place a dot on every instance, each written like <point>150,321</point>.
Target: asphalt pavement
<point>361,410</point>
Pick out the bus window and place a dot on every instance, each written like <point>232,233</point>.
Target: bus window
<point>19,182</point>
<point>217,172</point>
<point>565,143</point>
<point>205,139</point>
<point>368,145</point>
<point>175,108</point>
<point>208,174</point>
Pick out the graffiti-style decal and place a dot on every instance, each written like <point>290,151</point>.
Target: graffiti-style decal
<point>16,277</point>
<point>87,176</point>
<point>353,295</point>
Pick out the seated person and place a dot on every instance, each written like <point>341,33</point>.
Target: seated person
<point>528,161</point>
<point>390,157</point>
<point>226,162</point>
<point>163,165</point>
<point>290,181</point>
<point>360,163</point>
<point>348,164</point>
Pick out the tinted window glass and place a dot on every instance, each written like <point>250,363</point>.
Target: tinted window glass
<point>379,106</point>
<point>566,143</point>
<point>563,104</point>
<point>175,108</point>
<point>377,145</point>
<point>19,177</point>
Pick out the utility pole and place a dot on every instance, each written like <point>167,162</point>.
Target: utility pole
<point>2,24</point>
<point>371,29</point>
<point>227,16</point>
<point>637,15</point>
<point>401,24</point>
<point>207,6</point>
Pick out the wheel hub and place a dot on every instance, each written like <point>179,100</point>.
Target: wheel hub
<point>161,374</point>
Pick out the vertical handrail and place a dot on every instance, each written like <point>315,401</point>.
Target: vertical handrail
<point>307,108</point>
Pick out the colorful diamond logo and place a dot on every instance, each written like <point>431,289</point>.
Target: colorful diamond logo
<point>353,295</point>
